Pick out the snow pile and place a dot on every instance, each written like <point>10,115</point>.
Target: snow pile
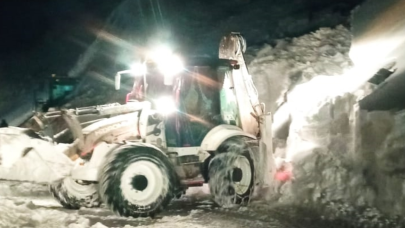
<point>31,159</point>
<point>321,141</point>
<point>340,153</point>
<point>276,69</point>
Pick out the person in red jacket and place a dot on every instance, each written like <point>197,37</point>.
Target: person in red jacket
<point>284,171</point>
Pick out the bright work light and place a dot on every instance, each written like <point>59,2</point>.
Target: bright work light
<point>165,105</point>
<point>138,69</point>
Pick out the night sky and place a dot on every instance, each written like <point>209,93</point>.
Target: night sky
<point>39,36</point>
<point>24,24</point>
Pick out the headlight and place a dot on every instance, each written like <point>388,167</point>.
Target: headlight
<point>168,63</point>
<point>171,66</point>
<point>165,105</point>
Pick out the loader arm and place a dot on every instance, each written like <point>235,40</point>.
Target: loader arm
<point>232,47</point>
<point>120,122</point>
<point>253,118</point>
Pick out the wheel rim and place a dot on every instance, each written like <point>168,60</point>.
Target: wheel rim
<point>241,175</point>
<point>143,182</point>
<point>80,191</point>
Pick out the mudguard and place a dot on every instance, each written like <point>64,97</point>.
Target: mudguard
<point>89,171</point>
<point>219,134</point>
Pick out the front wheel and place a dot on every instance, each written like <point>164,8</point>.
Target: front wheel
<point>231,173</point>
<point>73,195</point>
<point>137,181</point>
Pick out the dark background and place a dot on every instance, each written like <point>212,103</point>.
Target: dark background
<point>44,37</point>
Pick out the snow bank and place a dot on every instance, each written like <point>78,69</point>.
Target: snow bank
<point>340,155</point>
<point>278,68</point>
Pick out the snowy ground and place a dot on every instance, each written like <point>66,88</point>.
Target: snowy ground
<point>35,208</point>
<point>30,205</point>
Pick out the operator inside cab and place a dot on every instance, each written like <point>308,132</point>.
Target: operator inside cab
<point>195,93</point>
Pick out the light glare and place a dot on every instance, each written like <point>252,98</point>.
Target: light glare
<point>165,105</point>
<point>138,69</point>
<point>168,63</point>
<point>171,66</point>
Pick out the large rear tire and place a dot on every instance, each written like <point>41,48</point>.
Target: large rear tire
<point>231,173</point>
<point>137,181</point>
<point>72,195</point>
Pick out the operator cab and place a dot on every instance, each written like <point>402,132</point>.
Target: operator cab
<point>192,103</point>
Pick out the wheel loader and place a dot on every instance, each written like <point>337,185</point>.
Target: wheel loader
<point>186,123</point>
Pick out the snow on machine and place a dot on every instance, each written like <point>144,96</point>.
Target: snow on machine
<point>184,124</point>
